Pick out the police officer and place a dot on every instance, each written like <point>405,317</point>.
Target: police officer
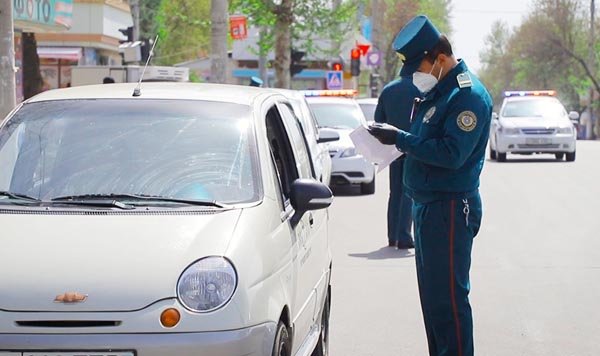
<point>445,151</point>
<point>394,107</point>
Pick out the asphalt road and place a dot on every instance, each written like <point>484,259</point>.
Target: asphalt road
<point>535,275</point>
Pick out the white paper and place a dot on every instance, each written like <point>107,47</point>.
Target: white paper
<point>373,150</point>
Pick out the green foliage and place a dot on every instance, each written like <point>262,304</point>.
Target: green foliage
<point>148,15</point>
<point>184,30</point>
<point>542,53</point>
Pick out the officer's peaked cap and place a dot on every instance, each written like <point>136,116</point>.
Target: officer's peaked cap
<point>414,41</point>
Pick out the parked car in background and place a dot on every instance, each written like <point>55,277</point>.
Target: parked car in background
<point>533,122</point>
<point>316,138</point>
<point>368,105</point>
<point>339,111</point>
<point>183,221</point>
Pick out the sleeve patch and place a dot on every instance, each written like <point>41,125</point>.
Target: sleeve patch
<point>467,121</point>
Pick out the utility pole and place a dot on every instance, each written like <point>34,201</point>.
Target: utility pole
<point>592,64</point>
<point>7,60</point>
<point>218,55</point>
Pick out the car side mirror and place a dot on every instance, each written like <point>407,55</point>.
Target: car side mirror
<point>327,135</point>
<point>574,116</point>
<point>494,116</point>
<point>307,195</point>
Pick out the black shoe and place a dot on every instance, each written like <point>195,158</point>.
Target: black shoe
<point>405,246</point>
<point>391,243</point>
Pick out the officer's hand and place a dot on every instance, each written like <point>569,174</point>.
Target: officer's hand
<point>385,133</point>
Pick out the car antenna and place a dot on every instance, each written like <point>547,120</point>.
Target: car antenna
<point>138,90</point>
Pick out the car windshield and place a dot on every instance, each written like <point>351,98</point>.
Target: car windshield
<point>535,107</point>
<point>195,150</point>
<point>368,110</point>
<point>344,116</point>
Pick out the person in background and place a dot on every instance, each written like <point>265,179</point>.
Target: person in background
<point>394,107</point>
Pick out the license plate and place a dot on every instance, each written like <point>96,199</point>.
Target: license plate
<point>537,141</point>
<point>82,353</point>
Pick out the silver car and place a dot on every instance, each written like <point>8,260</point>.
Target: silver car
<point>533,122</point>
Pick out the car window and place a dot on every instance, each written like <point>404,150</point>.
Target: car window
<point>281,153</point>
<point>368,110</point>
<point>298,141</point>
<point>338,116</point>
<point>184,149</point>
<point>538,107</point>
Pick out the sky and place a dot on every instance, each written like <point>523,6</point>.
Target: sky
<point>471,22</point>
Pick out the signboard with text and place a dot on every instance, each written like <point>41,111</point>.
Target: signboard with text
<point>43,15</point>
<point>238,27</point>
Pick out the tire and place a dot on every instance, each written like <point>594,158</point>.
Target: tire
<point>570,156</point>
<point>283,343</point>
<point>501,157</point>
<point>559,156</point>
<point>492,154</point>
<point>368,188</point>
<point>322,348</point>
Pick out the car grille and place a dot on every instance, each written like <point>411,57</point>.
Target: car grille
<point>538,131</point>
<point>549,145</point>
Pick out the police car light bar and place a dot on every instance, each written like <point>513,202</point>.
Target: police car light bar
<point>530,93</point>
<point>346,93</point>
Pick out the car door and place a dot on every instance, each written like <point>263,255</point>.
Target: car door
<point>289,166</point>
<point>314,244</point>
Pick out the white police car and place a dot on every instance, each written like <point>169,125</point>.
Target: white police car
<point>184,221</point>
<point>533,122</point>
<point>339,111</point>
<point>368,106</point>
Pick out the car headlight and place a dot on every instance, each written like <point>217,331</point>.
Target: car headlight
<point>565,130</point>
<point>349,152</point>
<point>207,284</point>
<point>510,130</point>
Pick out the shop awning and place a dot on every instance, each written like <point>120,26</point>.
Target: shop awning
<point>66,53</point>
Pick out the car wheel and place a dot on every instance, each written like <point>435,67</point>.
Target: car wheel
<point>368,188</point>
<point>559,156</point>
<point>570,156</point>
<point>492,153</point>
<point>322,348</point>
<point>501,157</point>
<point>283,343</point>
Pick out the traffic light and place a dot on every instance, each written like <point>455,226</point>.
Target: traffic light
<point>374,84</point>
<point>337,66</point>
<point>355,62</point>
<point>127,32</point>
<point>296,66</point>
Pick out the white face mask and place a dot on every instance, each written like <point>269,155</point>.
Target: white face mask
<point>426,81</point>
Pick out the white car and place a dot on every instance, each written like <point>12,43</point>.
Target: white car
<point>343,115</point>
<point>317,139</point>
<point>185,221</point>
<point>533,122</point>
<point>368,106</point>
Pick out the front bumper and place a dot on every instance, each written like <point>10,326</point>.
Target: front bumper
<point>252,341</point>
<point>351,170</point>
<point>521,143</point>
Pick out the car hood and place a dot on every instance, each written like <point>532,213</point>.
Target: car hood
<point>344,142</point>
<point>534,122</point>
<point>121,262</point>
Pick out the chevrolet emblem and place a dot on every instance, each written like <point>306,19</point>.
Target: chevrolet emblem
<point>70,297</point>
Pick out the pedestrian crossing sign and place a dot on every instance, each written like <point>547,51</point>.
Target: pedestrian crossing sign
<point>335,80</point>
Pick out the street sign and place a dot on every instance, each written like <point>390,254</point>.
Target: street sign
<point>364,48</point>
<point>335,80</point>
<point>238,27</point>
<point>374,58</point>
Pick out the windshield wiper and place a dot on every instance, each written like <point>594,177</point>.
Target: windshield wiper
<point>18,196</point>
<point>138,197</point>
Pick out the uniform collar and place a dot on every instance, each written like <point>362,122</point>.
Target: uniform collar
<point>450,82</point>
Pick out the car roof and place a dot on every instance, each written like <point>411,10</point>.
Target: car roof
<point>238,94</point>
<point>367,101</point>
<point>529,98</point>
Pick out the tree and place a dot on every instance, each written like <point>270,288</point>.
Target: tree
<point>298,22</point>
<point>218,54</point>
<point>184,30</point>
